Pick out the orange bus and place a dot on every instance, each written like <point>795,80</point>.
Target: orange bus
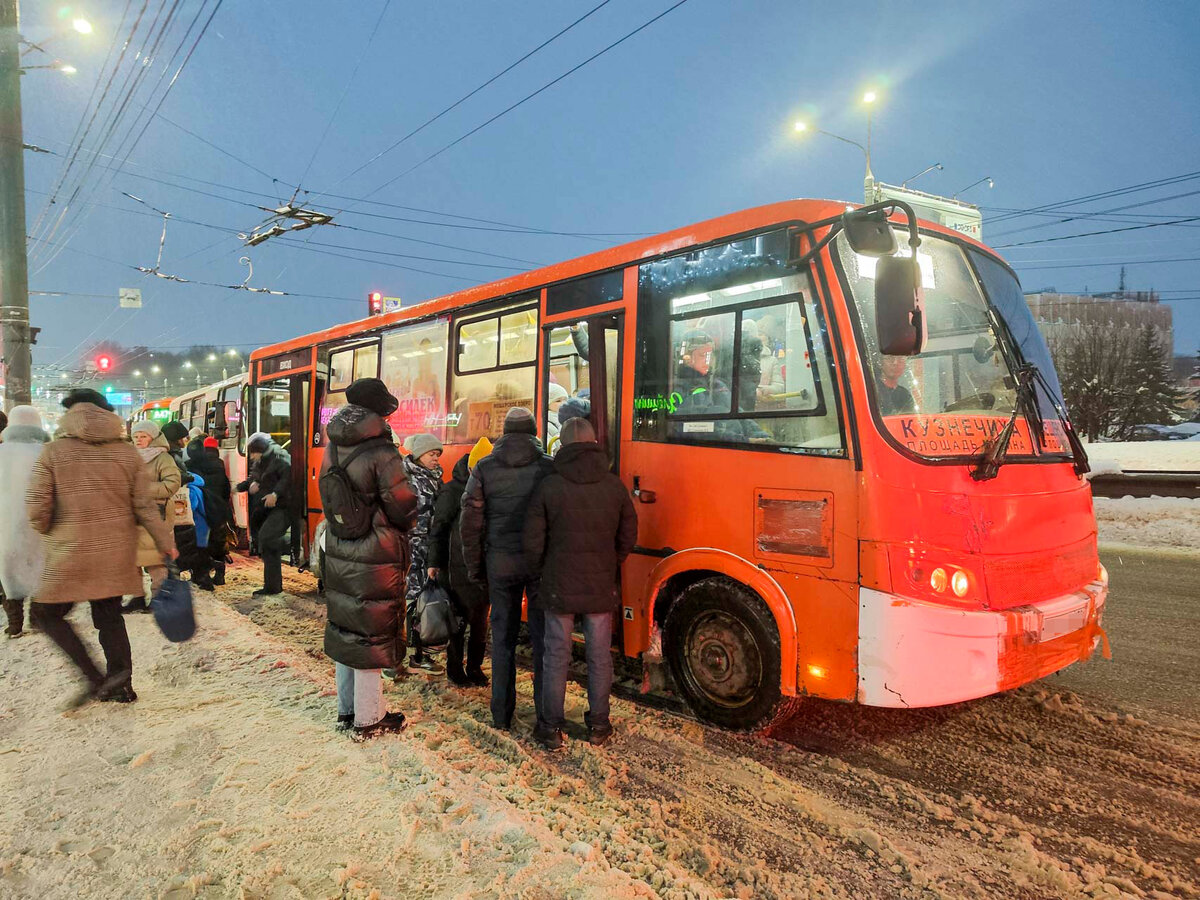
<point>854,475</point>
<point>156,410</point>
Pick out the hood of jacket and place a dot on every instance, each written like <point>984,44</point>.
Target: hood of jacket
<point>516,450</point>
<point>462,471</point>
<point>195,447</point>
<point>582,463</point>
<point>24,434</point>
<point>352,425</point>
<point>91,424</point>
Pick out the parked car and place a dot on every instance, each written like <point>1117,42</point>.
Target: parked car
<point>1156,433</point>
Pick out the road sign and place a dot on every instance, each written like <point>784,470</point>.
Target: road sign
<point>131,298</point>
<point>392,304</point>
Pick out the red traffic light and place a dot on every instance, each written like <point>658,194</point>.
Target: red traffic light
<point>104,363</point>
<point>375,303</point>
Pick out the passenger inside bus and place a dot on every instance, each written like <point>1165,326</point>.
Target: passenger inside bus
<point>894,398</point>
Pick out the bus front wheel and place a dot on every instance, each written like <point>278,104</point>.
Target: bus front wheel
<point>722,645</point>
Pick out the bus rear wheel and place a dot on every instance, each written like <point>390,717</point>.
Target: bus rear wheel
<point>722,645</point>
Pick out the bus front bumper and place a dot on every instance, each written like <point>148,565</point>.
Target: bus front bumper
<point>912,653</point>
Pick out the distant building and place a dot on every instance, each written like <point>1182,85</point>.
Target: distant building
<point>1059,315</point>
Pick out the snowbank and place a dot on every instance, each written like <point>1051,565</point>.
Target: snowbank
<point>1144,456</point>
<point>1149,521</point>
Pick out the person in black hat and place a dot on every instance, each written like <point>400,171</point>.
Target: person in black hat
<point>365,572</point>
<point>493,518</point>
<point>86,395</point>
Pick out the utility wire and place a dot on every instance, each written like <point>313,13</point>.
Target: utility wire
<point>464,98</point>
<point>529,97</point>
<point>1071,237</point>
<point>1102,195</point>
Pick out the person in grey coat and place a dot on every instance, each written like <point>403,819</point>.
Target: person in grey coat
<point>21,553</point>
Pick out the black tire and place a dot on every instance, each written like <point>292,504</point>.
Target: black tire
<point>722,644</point>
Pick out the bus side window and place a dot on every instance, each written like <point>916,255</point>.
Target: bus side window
<point>494,370</point>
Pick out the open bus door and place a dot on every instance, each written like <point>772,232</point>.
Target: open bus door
<point>281,410</point>
<point>584,359</point>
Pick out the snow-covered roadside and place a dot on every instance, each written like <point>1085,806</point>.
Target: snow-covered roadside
<point>1144,456</point>
<point>1172,522</point>
<point>227,780</point>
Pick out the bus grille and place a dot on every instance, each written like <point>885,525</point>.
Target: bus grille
<point>1034,577</point>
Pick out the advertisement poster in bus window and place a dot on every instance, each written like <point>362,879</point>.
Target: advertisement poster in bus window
<point>414,369</point>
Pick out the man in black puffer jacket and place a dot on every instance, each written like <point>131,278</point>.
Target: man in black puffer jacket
<point>365,576</point>
<point>493,518</point>
<point>270,489</point>
<point>580,528</point>
<point>204,459</point>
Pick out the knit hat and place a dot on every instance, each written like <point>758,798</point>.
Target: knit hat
<point>481,449</point>
<point>146,426</point>
<point>519,420</point>
<point>195,433</point>
<point>374,395</point>
<point>86,395</point>
<point>258,442</point>
<point>577,431</point>
<point>211,444</point>
<point>557,392</point>
<point>575,408</point>
<point>420,444</point>
<point>25,415</point>
<point>174,431</point>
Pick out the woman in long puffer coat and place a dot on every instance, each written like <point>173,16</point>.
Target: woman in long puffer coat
<point>21,553</point>
<point>164,480</point>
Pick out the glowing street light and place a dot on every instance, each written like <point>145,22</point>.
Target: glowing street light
<point>67,69</point>
<point>154,370</point>
<point>83,26</point>
<point>212,357</point>
<point>869,97</point>
<point>188,364</point>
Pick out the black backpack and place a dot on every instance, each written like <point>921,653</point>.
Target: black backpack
<point>347,512</point>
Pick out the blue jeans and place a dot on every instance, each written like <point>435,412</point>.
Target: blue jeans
<point>360,693</point>
<point>505,596</point>
<point>597,634</point>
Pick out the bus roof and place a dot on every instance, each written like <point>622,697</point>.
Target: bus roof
<point>238,379</point>
<point>705,232</point>
<point>164,403</point>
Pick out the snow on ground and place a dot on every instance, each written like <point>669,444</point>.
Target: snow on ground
<point>1149,521</point>
<point>1144,456</point>
<point>227,780</point>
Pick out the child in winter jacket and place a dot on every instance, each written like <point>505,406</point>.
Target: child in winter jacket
<point>424,472</point>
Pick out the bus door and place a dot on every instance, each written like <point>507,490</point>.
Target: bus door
<point>281,411</point>
<point>583,370</point>
<point>575,352</point>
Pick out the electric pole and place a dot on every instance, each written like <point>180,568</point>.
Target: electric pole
<point>14,276</point>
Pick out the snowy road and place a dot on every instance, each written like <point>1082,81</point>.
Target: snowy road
<point>227,780</point>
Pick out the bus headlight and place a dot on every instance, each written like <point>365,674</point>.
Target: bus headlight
<point>960,583</point>
<point>938,580</point>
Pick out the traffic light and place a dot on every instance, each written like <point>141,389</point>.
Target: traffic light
<point>375,303</point>
<point>104,362</point>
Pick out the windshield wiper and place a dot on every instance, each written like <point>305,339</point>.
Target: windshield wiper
<point>996,449</point>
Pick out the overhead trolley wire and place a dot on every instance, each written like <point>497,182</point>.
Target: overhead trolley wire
<point>550,40</point>
<point>529,96</point>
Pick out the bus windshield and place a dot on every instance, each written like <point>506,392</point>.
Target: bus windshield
<point>949,400</point>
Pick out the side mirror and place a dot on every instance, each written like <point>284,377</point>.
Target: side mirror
<point>899,306</point>
<point>869,233</point>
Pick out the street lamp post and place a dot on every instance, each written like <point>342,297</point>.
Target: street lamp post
<point>987,178</point>
<point>14,280</point>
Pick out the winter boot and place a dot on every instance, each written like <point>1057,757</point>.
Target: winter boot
<point>218,578</point>
<point>15,610</point>
<point>391,723</point>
